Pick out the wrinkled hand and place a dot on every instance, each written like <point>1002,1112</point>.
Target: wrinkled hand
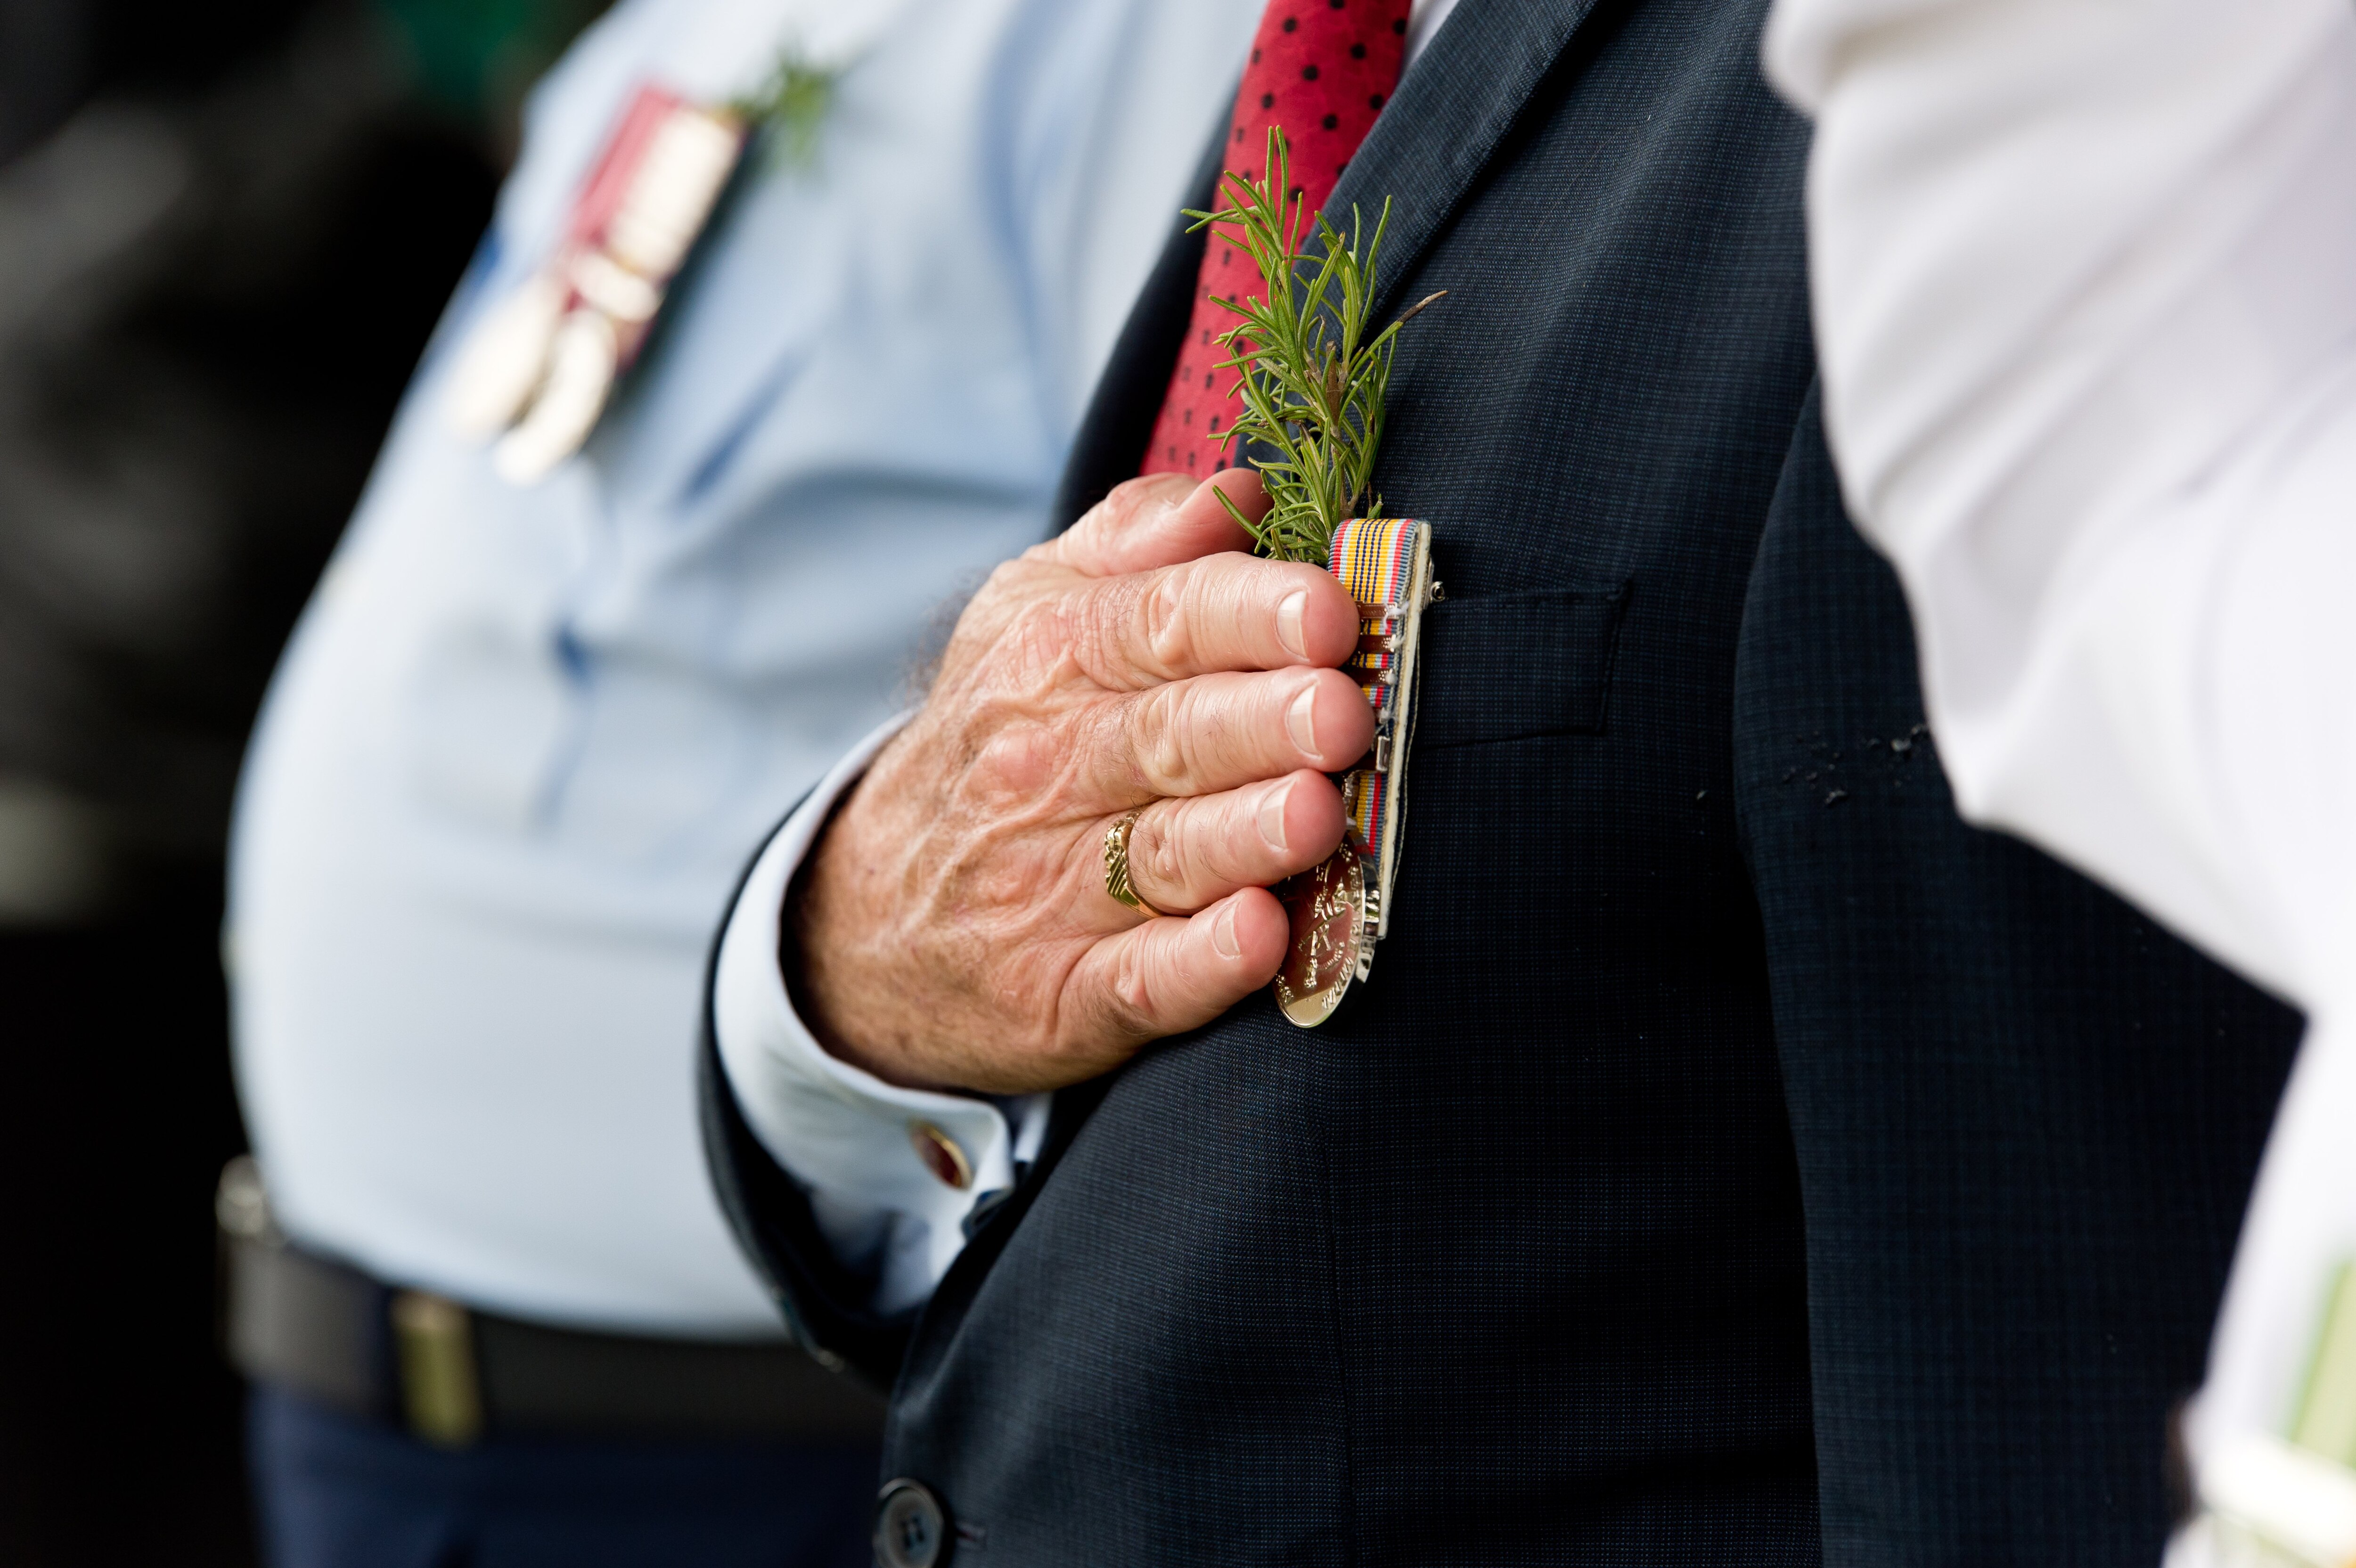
<point>952,927</point>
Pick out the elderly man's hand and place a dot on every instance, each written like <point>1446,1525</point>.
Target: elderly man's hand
<point>953,928</point>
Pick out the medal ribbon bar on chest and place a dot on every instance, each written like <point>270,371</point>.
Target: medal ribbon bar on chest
<point>1343,907</point>
<point>536,371</point>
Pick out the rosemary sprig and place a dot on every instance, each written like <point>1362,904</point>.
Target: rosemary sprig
<point>1312,381</point>
<point>794,100</point>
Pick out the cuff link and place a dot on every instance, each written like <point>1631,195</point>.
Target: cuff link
<point>941,1155</point>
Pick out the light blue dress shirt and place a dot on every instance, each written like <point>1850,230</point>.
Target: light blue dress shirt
<point>526,739</point>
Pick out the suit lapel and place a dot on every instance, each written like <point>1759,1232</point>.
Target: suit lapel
<point>1452,109</point>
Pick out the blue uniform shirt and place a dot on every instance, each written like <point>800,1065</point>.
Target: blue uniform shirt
<point>526,738</point>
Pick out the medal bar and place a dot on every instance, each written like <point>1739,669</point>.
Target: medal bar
<point>536,372</point>
<point>1340,910</point>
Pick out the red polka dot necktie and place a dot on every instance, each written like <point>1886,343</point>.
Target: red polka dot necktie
<point>1321,71</point>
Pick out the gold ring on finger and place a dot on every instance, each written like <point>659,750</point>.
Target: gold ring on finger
<point>1116,862</point>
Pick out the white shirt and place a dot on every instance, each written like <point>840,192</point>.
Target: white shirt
<point>841,1132</point>
<point>2084,278</point>
<point>525,739</point>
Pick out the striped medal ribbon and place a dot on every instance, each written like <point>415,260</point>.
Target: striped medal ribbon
<point>1340,910</point>
<point>537,369</point>
<point>539,365</point>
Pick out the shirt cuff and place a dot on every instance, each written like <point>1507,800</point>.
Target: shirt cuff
<point>881,1163</point>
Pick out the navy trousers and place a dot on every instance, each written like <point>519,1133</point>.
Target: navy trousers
<point>337,1492</point>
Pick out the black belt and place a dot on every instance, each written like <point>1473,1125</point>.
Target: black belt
<point>452,1375</point>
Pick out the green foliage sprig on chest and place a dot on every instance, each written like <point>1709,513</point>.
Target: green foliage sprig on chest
<point>792,103</point>
<point>1313,381</point>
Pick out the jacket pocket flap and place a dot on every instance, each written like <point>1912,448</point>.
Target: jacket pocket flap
<point>1517,664</point>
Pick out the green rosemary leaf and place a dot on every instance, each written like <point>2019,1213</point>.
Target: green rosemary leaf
<point>1314,382</point>
<point>792,103</point>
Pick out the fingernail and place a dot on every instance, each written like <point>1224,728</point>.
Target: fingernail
<point>1301,719</point>
<point>1288,618</point>
<point>1223,932</point>
<point>1271,817</point>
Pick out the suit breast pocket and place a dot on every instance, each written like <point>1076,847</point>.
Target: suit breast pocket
<point>1516,665</point>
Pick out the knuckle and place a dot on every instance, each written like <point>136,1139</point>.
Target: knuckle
<point>1164,860</point>
<point>1037,643</point>
<point>1114,613</point>
<point>1132,983</point>
<point>1090,627</point>
<point>1158,740</point>
<point>1120,507</point>
<point>1020,760</point>
<point>1165,630</point>
<point>1094,527</point>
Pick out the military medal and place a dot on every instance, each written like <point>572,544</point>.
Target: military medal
<point>535,374</point>
<point>537,371</point>
<point>1312,384</point>
<point>1342,908</point>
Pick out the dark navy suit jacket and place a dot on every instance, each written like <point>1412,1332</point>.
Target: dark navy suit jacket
<point>1732,1158</point>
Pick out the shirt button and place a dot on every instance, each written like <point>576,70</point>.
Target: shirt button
<point>911,1532</point>
<point>941,1155</point>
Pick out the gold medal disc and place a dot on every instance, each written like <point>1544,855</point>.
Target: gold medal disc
<point>1328,909</point>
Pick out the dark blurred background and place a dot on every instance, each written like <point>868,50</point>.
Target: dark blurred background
<point>225,233</point>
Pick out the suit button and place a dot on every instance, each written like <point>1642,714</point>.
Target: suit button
<point>911,1531</point>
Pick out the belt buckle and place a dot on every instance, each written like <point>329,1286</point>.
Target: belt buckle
<point>434,1345</point>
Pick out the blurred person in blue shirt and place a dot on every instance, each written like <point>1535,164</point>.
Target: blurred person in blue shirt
<point>225,234</point>
<point>528,732</point>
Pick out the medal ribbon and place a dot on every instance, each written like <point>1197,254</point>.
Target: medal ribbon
<point>1374,561</point>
